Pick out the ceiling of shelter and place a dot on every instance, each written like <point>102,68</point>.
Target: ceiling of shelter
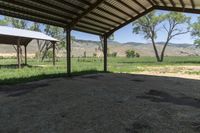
<point>92,16</point>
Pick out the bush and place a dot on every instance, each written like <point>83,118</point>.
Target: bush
<point>132,54</point>
<point>137,55</point>
<point>85,54</point>
<point>114,54</point>
<point>94,54</point>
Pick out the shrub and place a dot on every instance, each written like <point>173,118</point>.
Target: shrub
<point>94,54</point>
<point>85,54</point>
<point>132,54</point>
<point>137,55</point>
<point>114,54</point>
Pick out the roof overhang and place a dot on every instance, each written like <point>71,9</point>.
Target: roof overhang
<point>98,17</point>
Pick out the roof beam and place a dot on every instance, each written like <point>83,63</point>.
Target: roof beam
<point>34,14</point>
<point>182,3</point>
<point>91,7</point>
<point>129,21</point>
<point>178,9</point>
<point>139,4</point>
<point>128,6</point>
<point>90,32</point>
<point>95,25</point>
<point>36,8</point>
<point>85,2</point>
<point>152,3</point>
<point>104,17</point>
<point>110,13</point>
<point>98,21</point>
<point>46,3</point>
<point>163,2</point>
<point>70,4</point>
<point>172,3</point>
<point>118,9</point>
<point>155,2</point>
<point>193,4</point>
<point>90,28</point>
<point>30,18</point>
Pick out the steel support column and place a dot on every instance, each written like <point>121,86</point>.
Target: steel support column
<point>68,49</point>
<point>105,51</point>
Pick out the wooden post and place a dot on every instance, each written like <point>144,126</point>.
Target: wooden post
<point>105,51</point>
<point>25,52</point>
<point>68,49</point>
<point>54,54</point>
<point>18,54</point>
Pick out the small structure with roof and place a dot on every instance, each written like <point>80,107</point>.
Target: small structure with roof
<point>20,37</point>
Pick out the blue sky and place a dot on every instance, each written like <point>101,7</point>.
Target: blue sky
<point>125,34</point>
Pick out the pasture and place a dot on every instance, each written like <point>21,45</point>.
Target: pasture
<point>40,70</point>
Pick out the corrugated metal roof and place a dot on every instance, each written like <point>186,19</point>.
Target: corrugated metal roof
<point>14,32</point>
<point>92,16</point>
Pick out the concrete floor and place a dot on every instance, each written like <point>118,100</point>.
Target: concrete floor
<point>102,103</point>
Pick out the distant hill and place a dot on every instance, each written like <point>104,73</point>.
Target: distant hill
<point>92,47</point>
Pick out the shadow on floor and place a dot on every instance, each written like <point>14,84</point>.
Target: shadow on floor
<point>161,96</point>
<point>14,66</point>
<point>13,81</point>
<point>19,90</point>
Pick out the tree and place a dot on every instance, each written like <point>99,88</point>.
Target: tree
<point>3,22</point>
<point>37,27</point>
<point>101,44</point>
<point>172,23</point>
<point>55,32</point>
<point>195,32</point>
<point>17,23</point>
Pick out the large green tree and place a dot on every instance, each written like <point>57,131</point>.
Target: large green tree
<point>173,23</point>
<point>17,23</point>
<point>195,32</point>
<point>3,22</point>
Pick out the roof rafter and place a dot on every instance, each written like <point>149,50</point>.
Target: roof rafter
<point>70,4</point>
<point>155,2</point>
<point>182,3</point>
<point>193,4</point>
<point>139,4</point>
<point>128,6</point>
<point>116,8</point>
<point>152,3</point>
<point>110,13</point>
<point>172,3</point>
<point>33,6</point>
<point>46,3</point>
<point>34,14</point>
<point>91,7</point>
<point>163,2</point>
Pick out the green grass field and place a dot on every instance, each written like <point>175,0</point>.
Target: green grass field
<point>40,70</point>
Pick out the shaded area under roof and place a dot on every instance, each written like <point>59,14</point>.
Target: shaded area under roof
<point>98,17</point>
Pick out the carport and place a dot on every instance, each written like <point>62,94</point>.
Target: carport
<point>20,37</point>
<point>99,17</point>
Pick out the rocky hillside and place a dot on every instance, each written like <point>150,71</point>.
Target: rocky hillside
<point>79,47</point>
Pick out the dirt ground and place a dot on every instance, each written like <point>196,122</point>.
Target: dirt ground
<point>102,103</point>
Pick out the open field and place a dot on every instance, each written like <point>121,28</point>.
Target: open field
<point>102,103</point>
<point>144,65</point>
